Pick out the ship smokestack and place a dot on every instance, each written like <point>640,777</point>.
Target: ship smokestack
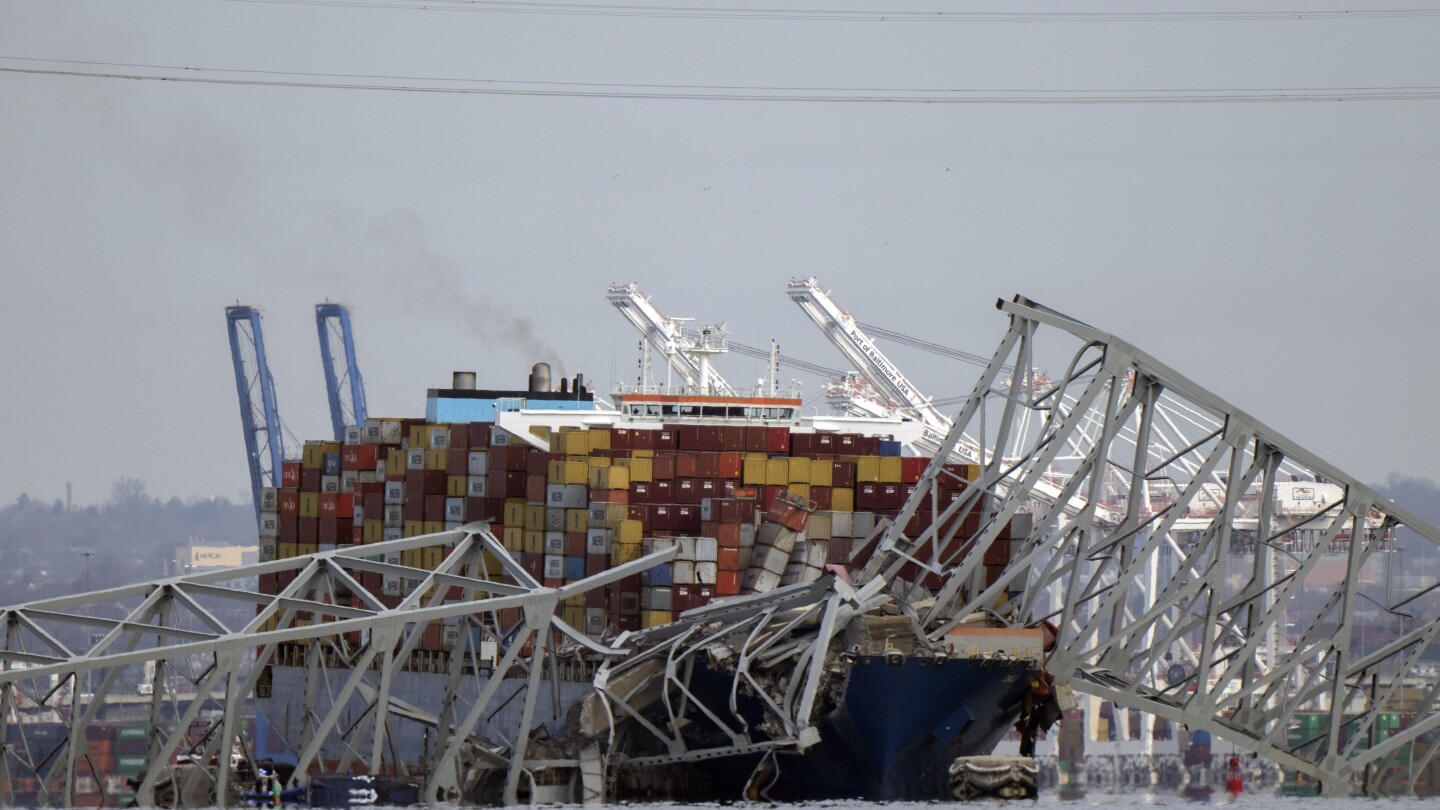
<point>579,383</point>
<point>564,386</point>
<point>540,378</point>
<point>463,381</point>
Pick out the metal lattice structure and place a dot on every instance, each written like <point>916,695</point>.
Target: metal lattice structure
<point>325,614</point>
<point>259,413</point>
<point>337,355</point>
<point>1215,565</point>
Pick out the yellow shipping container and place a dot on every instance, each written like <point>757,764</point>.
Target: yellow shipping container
<point>419,436</point>
<point>629,531</point>
<point>555,472</point>
<point>615,513</point>
<point>822,474</point>
<point>309,504</point>
<point>513,538</point>
<point>312,457</point>
<point>432,557</point>
<point>752,471</point>
<point>570,442</point>
<point>456,486</point>
<point>515,512</point>
<point>578,600</point>
<point>374,530</point>
<point>842,499</point>
<point>599,439</point>
<point>575,471</point>
<point>890,469</point>
<point>609,478</point>
<point>577,520</point>
<point>434,526</point>
<point>575,614</point>
<point>598,461</point>
<point>799,470</point>
<point>437,459</point>
<point>622,552</point>
<point>534,543</point>
<point>642,453</point>
<point>394,463</point>
<point>535,516</point>
<point>642,469</point>
<point>777,472</point>
<point>286,550</point>
<point>867,469</point>
<point>800,490</point>
<point>410,558</point>
<point>653,618</point>
<point>412,528</point>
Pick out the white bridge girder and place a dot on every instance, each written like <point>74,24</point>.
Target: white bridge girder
<point>1271,631</point>
<point>324,607</point>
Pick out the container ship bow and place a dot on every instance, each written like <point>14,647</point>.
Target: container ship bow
<point>777,655</point>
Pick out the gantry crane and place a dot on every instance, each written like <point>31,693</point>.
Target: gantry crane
<point>687,353</point>
<point>259,414</point>
<point>341,370</point>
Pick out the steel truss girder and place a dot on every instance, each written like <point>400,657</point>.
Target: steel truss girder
<point>1201,562</point>
<point>166,622</point>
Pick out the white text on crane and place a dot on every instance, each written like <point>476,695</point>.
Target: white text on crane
<point>879,361</point>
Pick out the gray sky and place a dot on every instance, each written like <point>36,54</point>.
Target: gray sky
<point>1277,253</point>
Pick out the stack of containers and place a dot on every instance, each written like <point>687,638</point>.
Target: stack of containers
<point>599,498</point>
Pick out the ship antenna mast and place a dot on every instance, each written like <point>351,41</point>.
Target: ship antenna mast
<point>774,368</point>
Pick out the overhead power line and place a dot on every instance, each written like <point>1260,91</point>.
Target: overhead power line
<point>680,92</point>
<point>844,15</point>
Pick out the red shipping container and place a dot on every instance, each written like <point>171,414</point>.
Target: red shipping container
<point>359,456</point>
<point>839,553</point>
<point>327,530</point>
<point>666,438</point>
<point>777,440</point>
<point>457,460</point>
<point>662,492</point>
<point>867,497</point>
<point>689,438</point>
<point>374,504</point>
<point>707,465</point>
<point>290,474</point>
<point>842,474</point>
<point>595,564</point>
<point>821,497</point>
<point>434,507</point>
<point>620,438</point>
<point>710,488</point>
<point>610,495</point>
<point>310,480</point>
<point>269,584</point>
<point>867,445</point>
<point>892,496</point>
<point>357,535</point>
<point>686,464</point>
<point>534,565</point>
<point>686,491</point>
<point>535,487</point>
<point>640,492</point>
<point>728,465</point>
<point>710,438</point>
<point>802,444</point>
<point>755,439</point>
<point>624,622</point>
<point>414,508</point>
<point>595,597</point>
<point>538,462</point>
<point>289,502</point>
<point>479,435</point>
<point>662,468</point>
<point>574,544</point>
<point>732,439</point>
<point>912,467</point>
<point>687,518</point>
<point>289,529</point>
<point>309,530</point>
<point>640,512</point>
<point>845,444</point>
<point>770,493</point>
<point>337,505</point>
<point>642,439</point>
<point>517,457</point>
<point>727,558</point>
<point>662,517</point>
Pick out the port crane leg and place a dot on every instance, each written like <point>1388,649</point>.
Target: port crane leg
<point>342,371</point>
<point>259,414</point>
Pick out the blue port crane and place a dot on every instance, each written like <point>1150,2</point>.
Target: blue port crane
<point>337,353</point>
<point>259,414</point>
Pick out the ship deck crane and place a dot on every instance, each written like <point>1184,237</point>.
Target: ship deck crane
<point>688,354</point>
<point>259,414</point>
<point>337,353</point>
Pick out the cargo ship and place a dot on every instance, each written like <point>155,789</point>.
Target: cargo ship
<point>754,498</point>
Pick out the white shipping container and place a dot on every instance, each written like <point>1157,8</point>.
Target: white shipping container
<point>864,524</point>
<point>842,524</point>
<point>395,493</point>
<point>819,551</point>
<point>705,573</point>
<point>393,533</point>
<point>656,598</point>
<point>758,580</point>
<point>269,499</point>
<point>269,525</point>
<point>415,458</point>
<point>348,480</point>
<point>330,484</point>
<point>707,509</point>
<point>554,566</point>
<point>479,463</point>
<point>359,516</point>
<point>576,496</point>
<point>686,546</point>
<point>268,551</point>
<point>499,437</point>
<point>555,543</point>
<point>597,541</point>
<point>555,495</point>
<point>654,544</point>
<point>455,510</point>
<point>371,433</point>
<point>392,558</point>
<point>439,438</point>
<point>391,431</point>
<point>595,516</point>
<point>770,559</point>
<point>475,486</point>
<point>747,535</point>
<point>354,434</point>
<point>682,572</point>
<point>390,584</point>
<point>453,525</point>
<point>395,517</point>
<point>371,477</point>
<point>324,547</point>
<point>595,621</point>
<point>555,519</point>
<point>707,549</point>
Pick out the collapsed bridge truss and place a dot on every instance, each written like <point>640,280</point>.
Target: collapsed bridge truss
<point>1214,567</point>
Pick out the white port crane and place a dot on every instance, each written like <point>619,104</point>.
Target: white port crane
<point>885,377</point>
<point>688,354</point>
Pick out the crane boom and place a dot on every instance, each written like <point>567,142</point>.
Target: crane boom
<point>259,414</point>
<point>337,354</point>
<point>688,355</point>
